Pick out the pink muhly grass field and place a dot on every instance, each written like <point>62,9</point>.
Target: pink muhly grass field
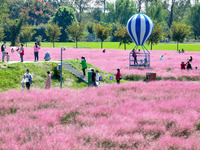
<point>113,59</point>
<point>136,115</point>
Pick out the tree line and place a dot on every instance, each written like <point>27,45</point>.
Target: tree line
<point>74,20</point>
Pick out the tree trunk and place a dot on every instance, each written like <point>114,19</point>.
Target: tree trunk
<point>26,44</point>
<point>124,46</point>
<point>76,44</point>
<point>172,14</point>
<point>177,46</point>
<point>53,44</point>
<point>151,45</point>
<point>101,44</point>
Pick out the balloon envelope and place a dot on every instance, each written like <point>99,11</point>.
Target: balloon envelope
<point>140,27</point>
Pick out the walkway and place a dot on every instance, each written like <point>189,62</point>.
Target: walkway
<point>75,72</point>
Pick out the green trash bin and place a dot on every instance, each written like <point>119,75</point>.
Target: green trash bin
<point>89,77</point>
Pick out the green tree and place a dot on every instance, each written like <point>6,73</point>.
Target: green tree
<point>90,29</point>
<point>121,11</point>
<point>53,31</point>
<point>179,31</point>
<point>102,33</point>
<point>76,32</point>
<point>26,34</point>
<point>2,34</point>
<point>64,17</point>
<point>123,36</point>
<point>15,29</point>
<point>194,19</point>
<point>156,35</point>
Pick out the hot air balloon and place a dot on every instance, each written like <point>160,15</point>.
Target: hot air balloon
<point>139,27</point>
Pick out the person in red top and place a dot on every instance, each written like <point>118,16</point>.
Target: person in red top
<point>22,52</point>
<point>183,65</point>
<point>118,76</point>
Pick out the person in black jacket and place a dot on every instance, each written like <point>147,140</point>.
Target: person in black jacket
<point>3,50</point>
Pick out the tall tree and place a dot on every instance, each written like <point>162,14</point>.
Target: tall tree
<point>179,31</point>
<point>156,35</point>
<point>90,29</point>
<point>123,36</point>
<point>171,13</point>
<point>76,32</point>
<point>194,19</point>
<point>15,29</point>
<point>64,17</point>
<point>26,34</point>
<point>53,32</point>
<point>102,33</point>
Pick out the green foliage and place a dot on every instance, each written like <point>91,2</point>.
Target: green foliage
<point>64,17</point>
<point>2,34</point>
<point>15,29</point>
<point>179,31</point>
<point>26,34</point>
<point>156,35</point>
<point>76,31</point>
<point>123,36</point>
<point>194,19</point>
<point>102,33</point>
<point>90,27</point>
<point>53,32</point>
<point>40,30</point>
<point>121,11</point>
<point>38,40</point>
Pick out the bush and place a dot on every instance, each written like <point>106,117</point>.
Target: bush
<point>40,30</point>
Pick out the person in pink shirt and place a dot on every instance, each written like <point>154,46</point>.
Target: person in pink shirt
<point>36,51</point>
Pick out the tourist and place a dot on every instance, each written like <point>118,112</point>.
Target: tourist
<point>7,57</point>
<point>190,60</point>
<point>36,51</point>
<point>104,50</point>
<point>189,66</point>
<point>183,50</point>
<point>93,79</point>
<point>3,50</point>
<point>135,57</point>
<point>28,79</point>
<point>97,77</point>
<point>22,52</point>
<point>161,57</point>
<point>84,64</point>
<point>118,75</point>
<point>48,81</point>
<point>47,56</point>
<point>183,65</point>
<point>196,68</point>
<point>179,51</point>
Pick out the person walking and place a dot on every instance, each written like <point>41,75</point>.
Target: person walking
<point>36,51</point>
<point>93,79</point>
<point>22,52</point>
<point>48,81</point>
<point>3,50</point>
<point>118,75</point>
<point>84,64</point>
<point>28,79</point>
<point>97,77</point>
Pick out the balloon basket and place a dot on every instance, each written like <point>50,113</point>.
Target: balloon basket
<point>139,58</point>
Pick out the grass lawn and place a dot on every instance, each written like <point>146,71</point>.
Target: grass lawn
<point>115,45</point>
<point>11,76</point>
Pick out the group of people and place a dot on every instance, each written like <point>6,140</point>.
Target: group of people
<point>181,51</point>
<point>28,79</point>
<point>188,65</point>
<point>20,52</point>
<point>95,74</point>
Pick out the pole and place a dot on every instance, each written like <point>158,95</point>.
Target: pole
<point>61,71</point>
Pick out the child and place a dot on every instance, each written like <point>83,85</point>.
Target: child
<point>161,57</point>
<point>97,77</point>
<point>104,50</point>
<point>7,57</point>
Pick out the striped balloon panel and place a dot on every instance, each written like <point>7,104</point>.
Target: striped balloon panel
<point>140,28</point>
